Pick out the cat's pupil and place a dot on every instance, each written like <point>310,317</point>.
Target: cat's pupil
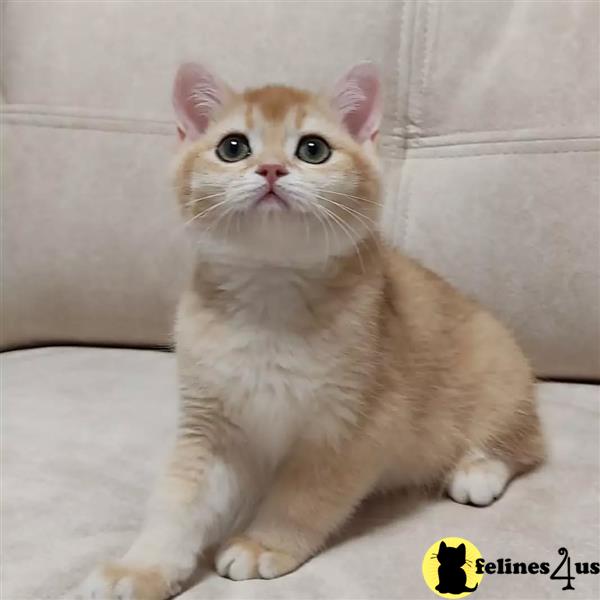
<point>234,146</point>
<point>313,148</point>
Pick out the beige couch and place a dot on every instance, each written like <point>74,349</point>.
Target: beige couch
<point>491,148</point>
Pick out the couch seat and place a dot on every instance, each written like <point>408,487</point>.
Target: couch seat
<point>83,433</point>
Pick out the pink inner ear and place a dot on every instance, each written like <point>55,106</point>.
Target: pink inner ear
<point>357,98</point>
<point>196,95</point>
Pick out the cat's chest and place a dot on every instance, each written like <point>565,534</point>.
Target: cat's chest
<point>279,369</point>
<point>274,385</point>
<point>250,363</point>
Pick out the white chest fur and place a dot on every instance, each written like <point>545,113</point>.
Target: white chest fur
<point>275,382</point>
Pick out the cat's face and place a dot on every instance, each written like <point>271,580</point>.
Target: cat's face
<point>277,174</point>
<point>449,556</point>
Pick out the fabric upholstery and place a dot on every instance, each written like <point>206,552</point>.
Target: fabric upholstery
<point>93,248</point>
<point>85,429</point>
<point>490,142</point>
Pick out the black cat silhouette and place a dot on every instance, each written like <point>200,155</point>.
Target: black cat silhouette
<point>450,572</point>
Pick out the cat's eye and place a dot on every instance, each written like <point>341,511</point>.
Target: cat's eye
<point>313,149</point>
<point>233,147</point>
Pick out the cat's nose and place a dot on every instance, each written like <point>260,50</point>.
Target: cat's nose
<point>271,172</point>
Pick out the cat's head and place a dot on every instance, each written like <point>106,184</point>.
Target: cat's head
<point>277,174</point>
<point>450,556</point>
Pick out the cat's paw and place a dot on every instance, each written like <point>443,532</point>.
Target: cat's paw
<point>479,482</point>
<point>243,558</point>
<point>120,582</point>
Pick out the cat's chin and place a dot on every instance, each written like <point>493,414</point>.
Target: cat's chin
<point>274,236</point>
<point>292,248</point>
<point>241,253</point>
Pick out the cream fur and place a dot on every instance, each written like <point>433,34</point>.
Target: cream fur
<point>316,365</point>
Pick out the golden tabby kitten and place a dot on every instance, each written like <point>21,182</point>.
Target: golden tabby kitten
<point>317,364</point>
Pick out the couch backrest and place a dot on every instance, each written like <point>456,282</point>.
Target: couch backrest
<point>490,142</point>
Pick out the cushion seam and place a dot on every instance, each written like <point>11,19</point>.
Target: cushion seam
<point>13,111</point>
<point>389,140</point>
<point>496,153</point>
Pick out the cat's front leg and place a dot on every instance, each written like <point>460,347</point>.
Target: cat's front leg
<point>208,482</point>
<point>315,492</point>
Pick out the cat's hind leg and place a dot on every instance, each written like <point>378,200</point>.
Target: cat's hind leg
<point>505,434</point>
<point>479,479</point>
<point>482,474</point>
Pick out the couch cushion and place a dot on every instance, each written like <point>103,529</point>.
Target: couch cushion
<point>84,430</point>
<point>93,249</point>
<point>122,56</point>
<point>507,66</point>
<point>96,253</point>
<point>490,142</point>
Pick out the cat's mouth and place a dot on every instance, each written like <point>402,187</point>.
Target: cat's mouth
<point>272,200</point>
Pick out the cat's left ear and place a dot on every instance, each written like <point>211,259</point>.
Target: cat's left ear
<point>357,99</point>
<point>462,549</point>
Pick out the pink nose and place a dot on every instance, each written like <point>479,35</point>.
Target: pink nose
<point>271,172</point>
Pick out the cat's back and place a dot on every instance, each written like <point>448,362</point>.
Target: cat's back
<point>433,329</point>
<point>420,300</point>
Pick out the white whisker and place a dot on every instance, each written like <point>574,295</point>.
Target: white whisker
<point>324,223</point>
<point>230,213</point>
<point>196,200</point>
<point>306,228</point>
<point>351,196</point>
<point>348,230</point>
<point>218,220</point>
<point>355,213</point>
<point>204,212</point>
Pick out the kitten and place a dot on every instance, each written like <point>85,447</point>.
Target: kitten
<point>317,364</point>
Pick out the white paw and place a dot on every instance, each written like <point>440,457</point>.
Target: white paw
<point>237,562</point>
<point>115,582</point>
<point>479,482</point>
<point>243,558</point>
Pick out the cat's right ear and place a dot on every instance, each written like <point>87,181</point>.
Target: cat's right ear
<point>197,94</point>
<point>442,546</point>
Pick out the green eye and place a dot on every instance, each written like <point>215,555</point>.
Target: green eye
<point>313,149</point>
<point>233,147</point>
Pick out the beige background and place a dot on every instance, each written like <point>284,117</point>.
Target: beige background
<point>490,142</point>
<point>491,147</point>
